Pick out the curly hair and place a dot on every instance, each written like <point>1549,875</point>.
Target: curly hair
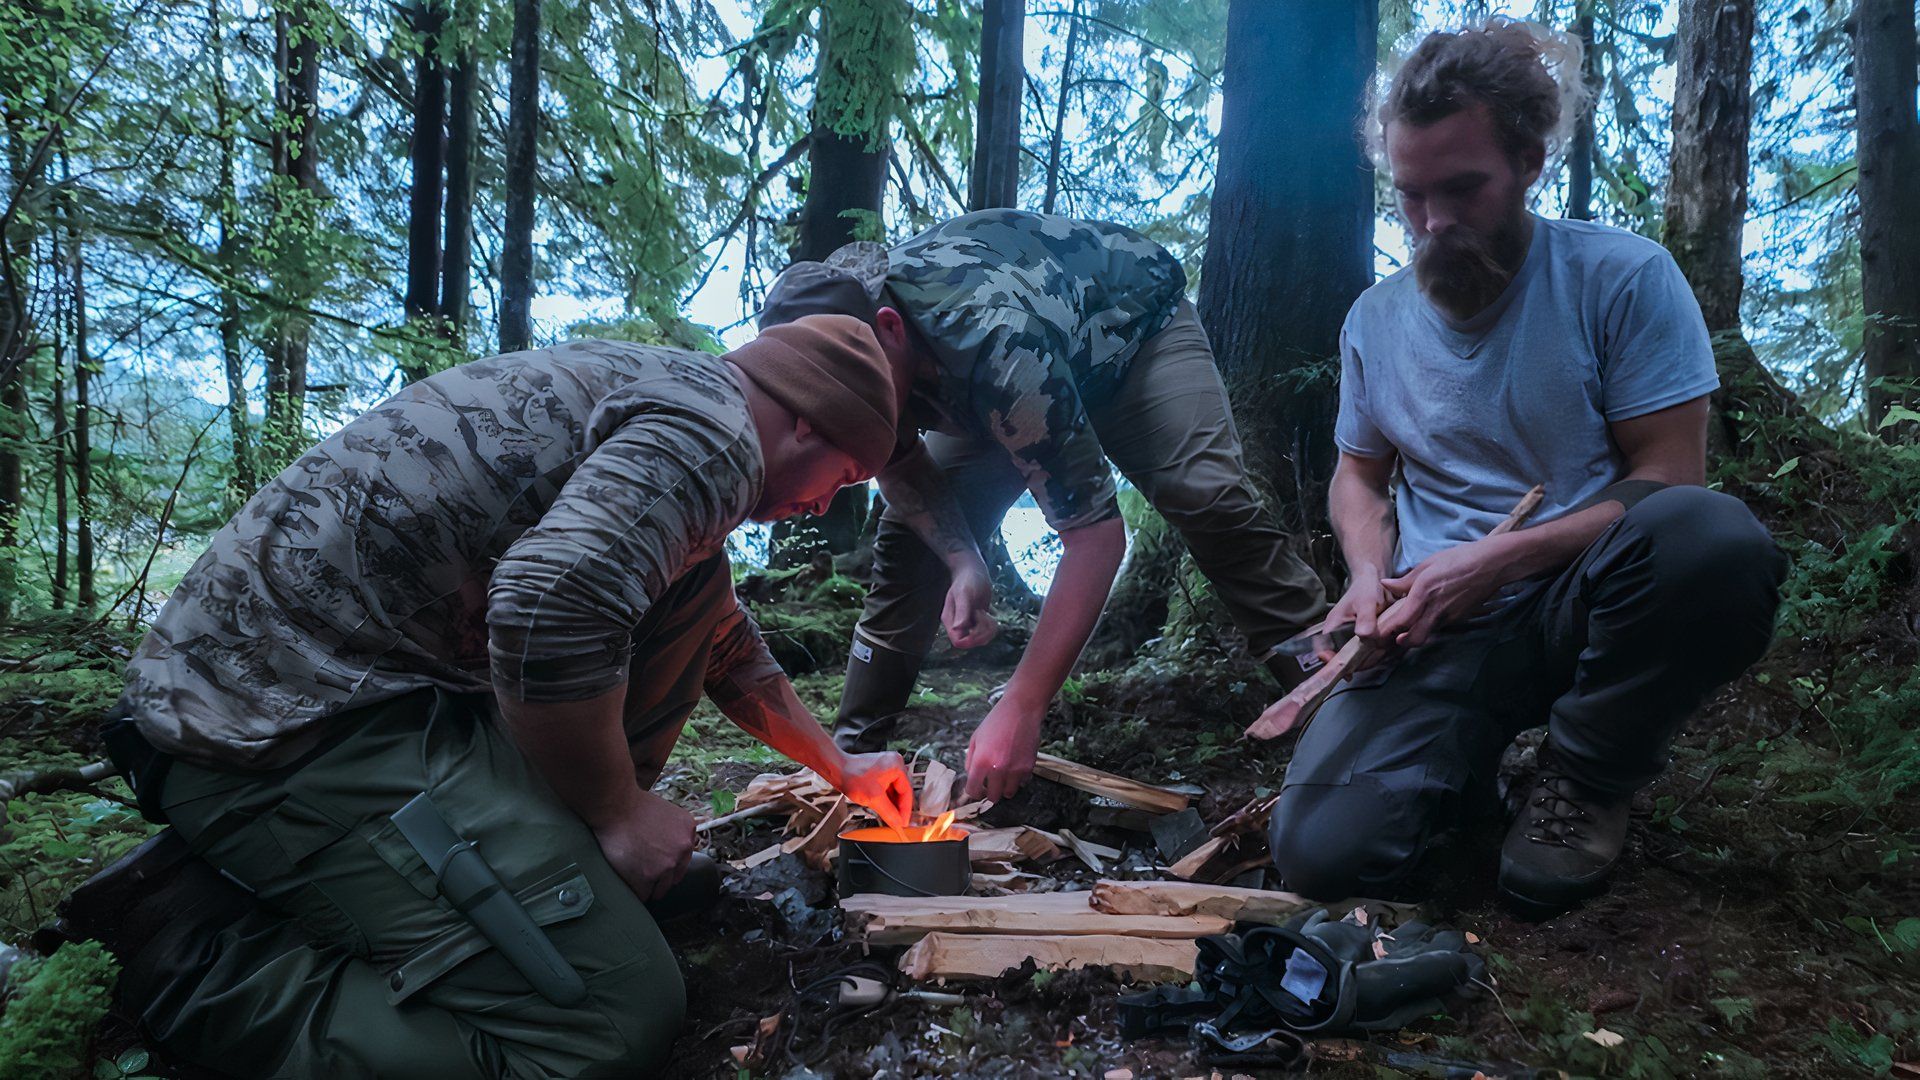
<point>1527,75</point>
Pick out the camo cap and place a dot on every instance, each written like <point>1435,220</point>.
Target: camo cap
<point>848,282</point>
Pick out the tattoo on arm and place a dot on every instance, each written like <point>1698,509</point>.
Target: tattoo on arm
<point>919,493</point>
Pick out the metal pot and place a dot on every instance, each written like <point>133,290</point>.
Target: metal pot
<point>876,860</point>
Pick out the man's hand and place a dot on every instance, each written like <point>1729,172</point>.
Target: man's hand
<point>649,845</point>
<point>1442,590</point>
<point>1360,605</point>
<point>968,614</point>
<point>1001,753</point>
<point>880,783</point>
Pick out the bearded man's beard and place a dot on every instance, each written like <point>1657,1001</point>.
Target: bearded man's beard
<point>1463,271</point>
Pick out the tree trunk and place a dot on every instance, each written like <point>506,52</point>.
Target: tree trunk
<point>523,127</point>
<point>227,255</point>
<point>1060,111</point>
<point>1290,242</point>
<point>457,253</point>
<point>1707,204</point>
<point>58,401</point>
<point>1580,150</point>
<point>16,346</point>
<point>996,140</point>
<point>296,167</point>
<point>428,158</point>
<point>82,435</point>
<point>1888,137</point>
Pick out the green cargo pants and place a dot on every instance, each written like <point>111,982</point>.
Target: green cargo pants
<point>354,966</point>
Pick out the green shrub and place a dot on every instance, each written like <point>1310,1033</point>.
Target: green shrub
<point>50,1020</point>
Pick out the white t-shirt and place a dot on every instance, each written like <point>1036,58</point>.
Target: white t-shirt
<point>1598,326</point>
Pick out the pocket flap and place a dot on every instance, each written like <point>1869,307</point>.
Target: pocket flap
<point>559,897</point>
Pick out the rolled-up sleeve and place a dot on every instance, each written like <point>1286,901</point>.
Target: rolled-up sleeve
<point>660,493</point>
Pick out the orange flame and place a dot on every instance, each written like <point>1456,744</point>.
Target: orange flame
<point>940,828</point>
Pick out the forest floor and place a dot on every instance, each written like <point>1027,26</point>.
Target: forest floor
<point>1749,931</point>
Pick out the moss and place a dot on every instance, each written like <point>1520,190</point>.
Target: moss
<point>50,1021</point>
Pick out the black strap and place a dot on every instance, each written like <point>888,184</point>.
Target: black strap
<point>144,765</point>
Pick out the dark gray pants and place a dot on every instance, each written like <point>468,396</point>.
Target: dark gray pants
<point>1671,602</point>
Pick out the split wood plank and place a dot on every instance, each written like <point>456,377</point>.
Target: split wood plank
<point>900,920</point>
<point>987,956</point>
<point>1200,861</point>
<point>1120,789</point>
<point>1224,901</point>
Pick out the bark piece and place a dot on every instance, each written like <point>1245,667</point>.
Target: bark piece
<point>1120,789</point>
<point>986,956</point>
<point>1017,844</point>
<point>899,920</point>
<point>818,846</point>
<point>936,791</point>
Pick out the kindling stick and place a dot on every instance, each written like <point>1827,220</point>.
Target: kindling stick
<point>1298,707</point>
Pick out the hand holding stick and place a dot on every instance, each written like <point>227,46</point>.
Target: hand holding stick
<point>1298,707</point>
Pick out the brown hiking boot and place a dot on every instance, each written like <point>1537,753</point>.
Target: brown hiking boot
<point>1564,842</point>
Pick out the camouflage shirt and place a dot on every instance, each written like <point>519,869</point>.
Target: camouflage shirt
<point>1032,318</point>
<point>500,525</point>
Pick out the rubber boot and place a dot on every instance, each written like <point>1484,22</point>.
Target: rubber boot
<point>879,682</point>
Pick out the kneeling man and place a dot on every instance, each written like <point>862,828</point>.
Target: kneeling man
<point>1515,351</point>
<point>504,589</point>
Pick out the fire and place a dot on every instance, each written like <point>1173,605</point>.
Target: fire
<point>941,829</point>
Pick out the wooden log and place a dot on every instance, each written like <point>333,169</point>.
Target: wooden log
<point>1120,789</point>
<point>987,956</point>
<point>1298,707</point>
<point>899,920</point>
<point>1225,901</point>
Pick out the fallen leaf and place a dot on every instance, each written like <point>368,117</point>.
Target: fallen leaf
<point>1608,1039</point>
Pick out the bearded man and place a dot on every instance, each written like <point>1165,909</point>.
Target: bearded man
<point>1517,350</point>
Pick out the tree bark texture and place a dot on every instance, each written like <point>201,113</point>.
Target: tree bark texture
<point>845,173</point>
<point>296,162</point>
<point>523,129</point>
<point>996,141</point>
<point>227,256</point>
<point>457,252</point>
<point>428,157</point>
<point>1290,242</point>
<point>1888,134</point>
<point>82,432</point>
<point>1054,144</point>
<point>1707,185</point>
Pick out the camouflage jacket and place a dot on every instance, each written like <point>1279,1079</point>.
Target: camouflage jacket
<point>1032,318</point>
<point>501,525</point>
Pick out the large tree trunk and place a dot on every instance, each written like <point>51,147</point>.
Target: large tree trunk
<point>1290,241</point>
<point>523,132</point>
<point>457,253</point>
<point>1707,203</point>
<point>996,140</point>
<point>17,340</point>
<point>1889,186</point>
<point>846,189</point>
<point>296,166</point>
<point>1580,150</point>
<point>428,158</point>
<point>61,509</point>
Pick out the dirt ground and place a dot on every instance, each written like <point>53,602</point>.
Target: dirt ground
<point>1730,944</point>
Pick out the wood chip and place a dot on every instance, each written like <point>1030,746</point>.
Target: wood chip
<point>899,920</point>
<point>760,858</point>
<point>1608,1039</point>
<point>987,956</point>
<point>819,846</point>
<point>1203,862</point>
<point>1094,855</point>
<point>1120,789</point>
<point>936,791</point>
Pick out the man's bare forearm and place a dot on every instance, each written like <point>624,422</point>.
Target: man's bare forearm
<point>916,490</point>
<point>775,715</point>
<point>1071,609</point>
<point>580,749</point>
<point>1363,523</point>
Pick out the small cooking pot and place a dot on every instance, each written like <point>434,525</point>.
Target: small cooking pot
<point>877,860</point>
